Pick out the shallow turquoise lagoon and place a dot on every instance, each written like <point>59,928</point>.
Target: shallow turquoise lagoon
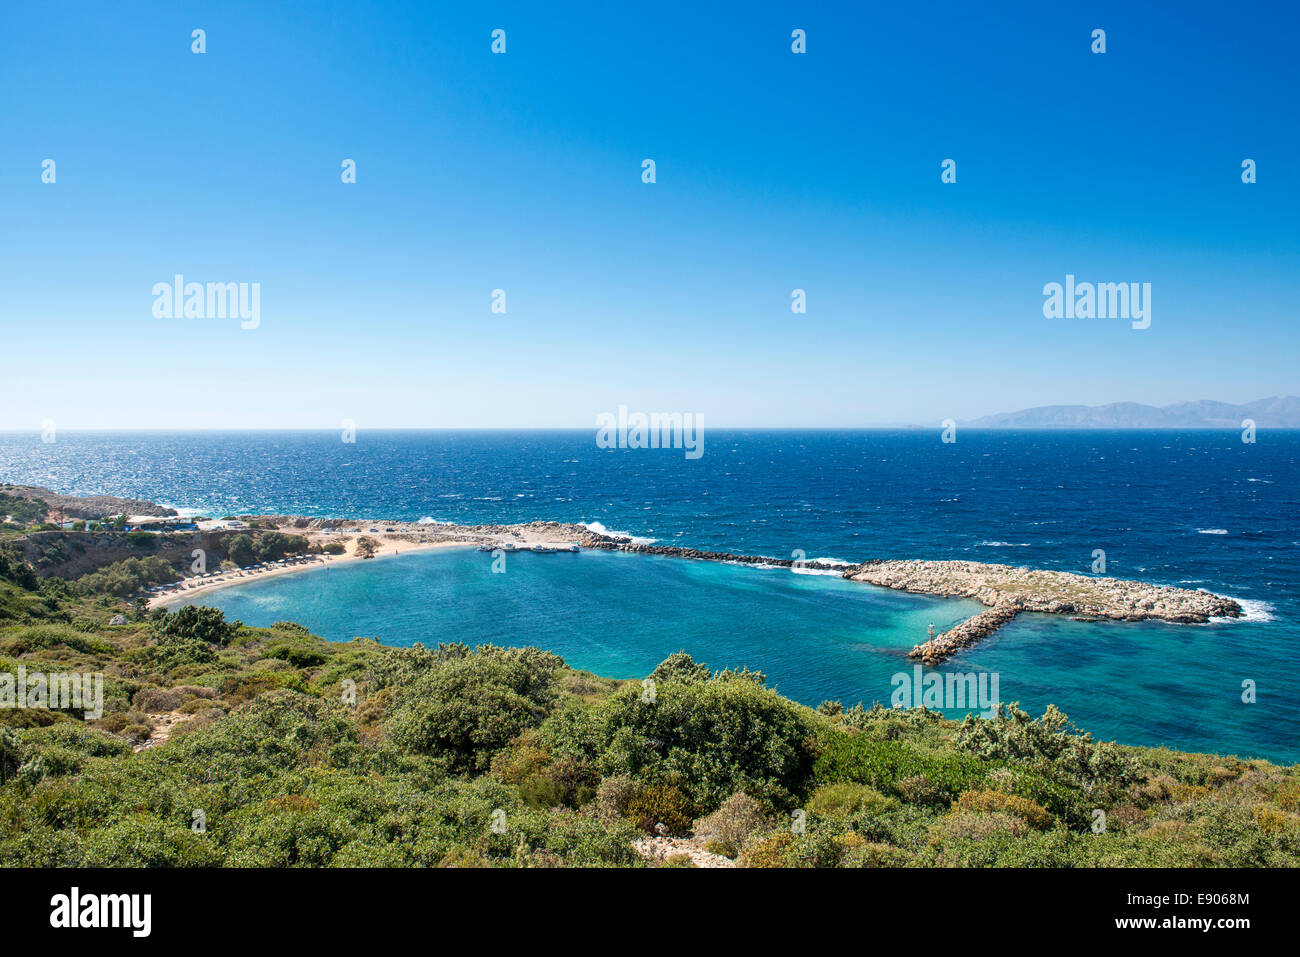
<point>816,637</point>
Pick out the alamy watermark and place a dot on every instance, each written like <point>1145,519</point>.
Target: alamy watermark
<point>73,691</point>
<point>75,909</point>
<point>179,299</point>
<point>1102,300</point>
<point>955,690</point>
<point>655,430</point>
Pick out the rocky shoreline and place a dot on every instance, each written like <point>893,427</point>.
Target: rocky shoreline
<point>1006,590</point>
<point>72,507</point>
<point>1054,593</point>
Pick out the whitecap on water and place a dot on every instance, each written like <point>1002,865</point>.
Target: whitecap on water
<point>1254,610</point>
<point>600,529</point>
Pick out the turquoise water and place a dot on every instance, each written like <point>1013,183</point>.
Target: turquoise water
<point>1197,509</point>
<point>816,637</point>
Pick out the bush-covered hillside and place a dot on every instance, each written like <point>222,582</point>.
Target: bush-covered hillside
<point>222,744</point>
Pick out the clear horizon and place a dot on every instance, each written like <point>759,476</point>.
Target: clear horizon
<point>522,172</point>
<point>896,426</point>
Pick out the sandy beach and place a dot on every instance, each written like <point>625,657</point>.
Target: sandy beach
<point>190,587</point>
<point>391,538</point>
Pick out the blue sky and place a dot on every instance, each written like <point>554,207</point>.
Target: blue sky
<point>522,172</point>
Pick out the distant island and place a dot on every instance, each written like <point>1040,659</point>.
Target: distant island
<point>1277,412</point>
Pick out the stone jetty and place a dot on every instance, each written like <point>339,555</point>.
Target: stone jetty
<point>1055,593</point>
<point>611,543</point>
<point>1006,590</point>
<point>967,633</point>
<point>1009,590</point>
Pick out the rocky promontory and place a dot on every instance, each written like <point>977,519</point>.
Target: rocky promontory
<point>1009,590</point>
<point>1055,593</point>
<point>71,507</point>
<point>1006,590</point>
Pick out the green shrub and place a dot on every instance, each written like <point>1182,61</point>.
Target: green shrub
<point>467,707</point>
<point>158,699</point>
<point>240,688</point>
<point>137,733</point>
<point>815,848</point>
<point>199,623</point>
<point>612,797</point>
<point>728,828</point>
<point>847,798</point>
<point>21,641</point>
<point>127,576</point>
<point>974,840</point>
<point>989,802</point>
<point>916,775</point>
<point>178,654</point>
<point>541,791</point>
<point>239,549</point>
<point>297,655</point>
<point>657,804</point>
<point>1053,748</point>
<point>679,666</point>
<point>715,736</point>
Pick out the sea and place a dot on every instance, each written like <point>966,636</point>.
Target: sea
<point>1196,509</point>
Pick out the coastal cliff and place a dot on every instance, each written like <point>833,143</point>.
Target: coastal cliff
<point>70,507</point>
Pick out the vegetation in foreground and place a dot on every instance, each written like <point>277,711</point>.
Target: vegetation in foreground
<point>222,744</point>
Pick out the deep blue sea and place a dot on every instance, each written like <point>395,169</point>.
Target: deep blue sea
<point>1198,509</point>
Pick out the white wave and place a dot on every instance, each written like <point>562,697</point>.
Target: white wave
<point>600,529</point>
<point>183,512</point>
<point>836,563</point>
<point>1212,531</point>
<point>1255,610</point>
<point>430,521</point>
<point>1005,544</point>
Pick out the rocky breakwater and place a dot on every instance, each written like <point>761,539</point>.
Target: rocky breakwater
<point>967,633</point>
<point>1009,590</point>
<point>615,543</point>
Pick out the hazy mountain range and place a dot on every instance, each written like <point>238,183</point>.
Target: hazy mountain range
<point>1276,413</point>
